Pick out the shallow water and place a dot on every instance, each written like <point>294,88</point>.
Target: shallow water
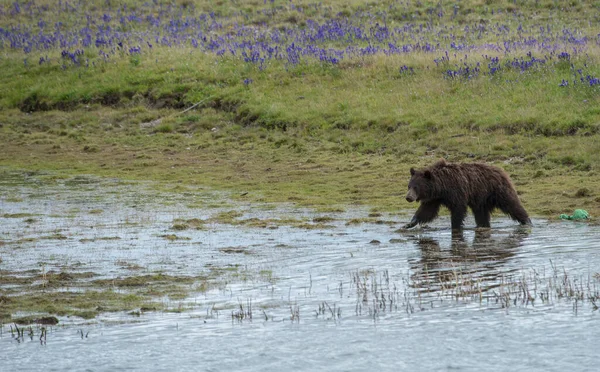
<point>350,297</point>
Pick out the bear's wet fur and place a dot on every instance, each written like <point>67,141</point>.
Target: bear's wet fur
<point>478,186</point>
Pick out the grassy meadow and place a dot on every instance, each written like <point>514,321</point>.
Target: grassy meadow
<point>324,104</point>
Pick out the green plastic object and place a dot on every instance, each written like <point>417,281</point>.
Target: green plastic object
<point>578,214</point>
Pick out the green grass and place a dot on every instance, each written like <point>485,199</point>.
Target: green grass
<point>374,96</point>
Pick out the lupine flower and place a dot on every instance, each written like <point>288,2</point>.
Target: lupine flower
<point>564,55</point>
<point>405,70</point>
<point>327,41</point>
<point>592,81</point>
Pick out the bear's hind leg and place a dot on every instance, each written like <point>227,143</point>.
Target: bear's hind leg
<point>519,214</point>
<point>482,216</point>
<point>512,206</point>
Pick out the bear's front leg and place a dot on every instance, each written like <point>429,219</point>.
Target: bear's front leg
<point>412,223</point>
<point>427,212</point>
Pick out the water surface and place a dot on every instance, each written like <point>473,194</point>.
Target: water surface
<point>347,296</point>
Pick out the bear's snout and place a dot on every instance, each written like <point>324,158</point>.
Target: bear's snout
<point>411,197</point>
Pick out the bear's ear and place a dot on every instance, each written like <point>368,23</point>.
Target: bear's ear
<point>441,163</point>
<point>412,171</point>
<point>428,174</point>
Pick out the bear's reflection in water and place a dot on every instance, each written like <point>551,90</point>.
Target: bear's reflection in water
<point>467,268</point>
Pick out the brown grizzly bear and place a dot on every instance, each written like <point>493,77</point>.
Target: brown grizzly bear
<point>481,187</point>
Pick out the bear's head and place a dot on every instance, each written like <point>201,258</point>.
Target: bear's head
<point>419,186</point>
